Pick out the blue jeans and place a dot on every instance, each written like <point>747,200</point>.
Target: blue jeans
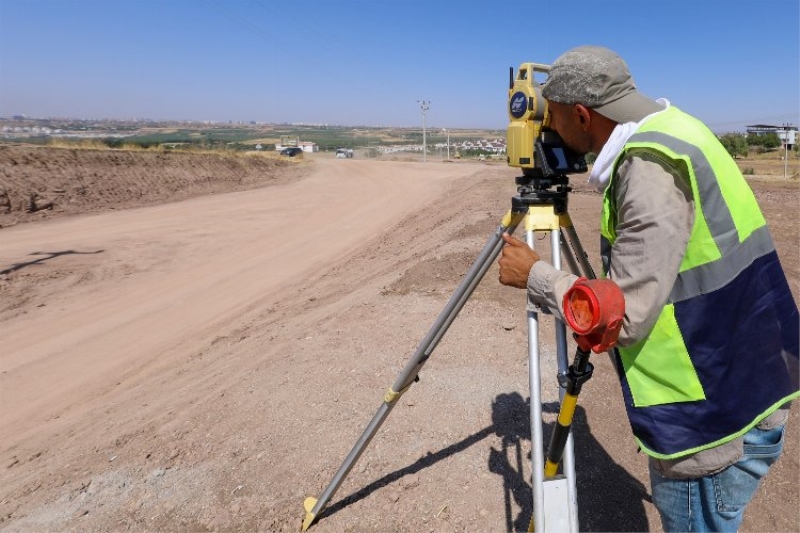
<point>717,502</point>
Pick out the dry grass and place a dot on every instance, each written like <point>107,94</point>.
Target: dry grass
<point>91,144</point>
<point>770,166</point>
<point>264,140</point>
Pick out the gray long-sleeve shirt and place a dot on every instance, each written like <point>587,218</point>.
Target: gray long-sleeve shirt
<point>655,212</point>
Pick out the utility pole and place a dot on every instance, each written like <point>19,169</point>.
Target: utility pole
<point>785,150</point>
<point>785,156</point>
<point>447,131</point>
<point>424,106</point>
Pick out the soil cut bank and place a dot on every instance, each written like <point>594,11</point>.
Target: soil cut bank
<point>204,365</point>
<point>37,183</point>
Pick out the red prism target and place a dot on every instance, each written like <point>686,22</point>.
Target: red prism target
<point>594,309</point>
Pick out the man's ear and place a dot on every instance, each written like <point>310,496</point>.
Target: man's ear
<point>584,116</point>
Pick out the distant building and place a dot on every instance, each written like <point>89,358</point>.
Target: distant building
<point>308,147</point>
<point>289,140</point>
<point>786,133</point>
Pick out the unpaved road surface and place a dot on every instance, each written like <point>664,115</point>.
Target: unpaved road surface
<point>205,365</point>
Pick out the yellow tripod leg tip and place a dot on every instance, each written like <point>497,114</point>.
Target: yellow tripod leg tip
<point>308,505</point>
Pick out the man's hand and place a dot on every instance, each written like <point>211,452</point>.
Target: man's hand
<point>516,262</point>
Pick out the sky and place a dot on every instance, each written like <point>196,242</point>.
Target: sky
<point>731,63</point>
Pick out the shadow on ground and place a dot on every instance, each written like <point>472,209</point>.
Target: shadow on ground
<point>44,256</point>
<point>609,498</point>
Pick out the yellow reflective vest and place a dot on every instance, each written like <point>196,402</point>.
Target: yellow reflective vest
<point>723,353</point>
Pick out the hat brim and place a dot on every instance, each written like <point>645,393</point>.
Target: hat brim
<point>632,107</point>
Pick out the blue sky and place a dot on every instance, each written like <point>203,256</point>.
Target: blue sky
<point>360,62</point>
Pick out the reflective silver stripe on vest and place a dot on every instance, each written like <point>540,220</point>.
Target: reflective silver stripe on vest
<point>736,256</point>
<point>712,276</point>
<point>716,212</point>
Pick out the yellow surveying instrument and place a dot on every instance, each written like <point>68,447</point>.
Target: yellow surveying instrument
<point>526,114</point>
<point>540,206</point>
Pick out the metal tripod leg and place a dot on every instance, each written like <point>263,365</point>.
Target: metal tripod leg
<point>555,498</point>
<point>409,374</point>
<point>538,218</point>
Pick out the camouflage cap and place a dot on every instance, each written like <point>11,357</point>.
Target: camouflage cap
<point>599,79</point>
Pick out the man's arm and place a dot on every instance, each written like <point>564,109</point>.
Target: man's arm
<point>655,217</point>
<point>521,267</point>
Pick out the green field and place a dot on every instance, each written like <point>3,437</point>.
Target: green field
<point>116,134</point>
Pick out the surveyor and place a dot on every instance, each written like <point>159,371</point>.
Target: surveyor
<point>708,352</point>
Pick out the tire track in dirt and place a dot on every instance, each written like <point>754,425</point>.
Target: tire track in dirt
<point>226,252</point>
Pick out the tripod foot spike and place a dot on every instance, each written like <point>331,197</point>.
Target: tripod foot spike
<point>308,505</point>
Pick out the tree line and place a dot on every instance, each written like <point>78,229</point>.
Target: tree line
<point>739,144</point>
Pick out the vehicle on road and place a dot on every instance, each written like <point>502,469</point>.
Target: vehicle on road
<point>292,151</point>
<point>343,153</point>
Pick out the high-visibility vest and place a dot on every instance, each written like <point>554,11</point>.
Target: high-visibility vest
<point>723,354</point>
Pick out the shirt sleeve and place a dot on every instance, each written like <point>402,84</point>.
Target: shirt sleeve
<point>547,286</point>
<point>655,215</point>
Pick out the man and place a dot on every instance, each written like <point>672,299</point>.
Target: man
<point>708,352</point>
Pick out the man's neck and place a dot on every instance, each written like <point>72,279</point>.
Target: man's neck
<point>601,132</point>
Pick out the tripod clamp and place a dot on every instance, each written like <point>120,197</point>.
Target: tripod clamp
<point>579,372</point>
<point>539,191</point>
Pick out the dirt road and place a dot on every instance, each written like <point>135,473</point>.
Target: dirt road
<point>205,365</point>
<point>200,266</point>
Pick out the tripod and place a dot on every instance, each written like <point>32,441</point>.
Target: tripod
<point>542,209</point>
